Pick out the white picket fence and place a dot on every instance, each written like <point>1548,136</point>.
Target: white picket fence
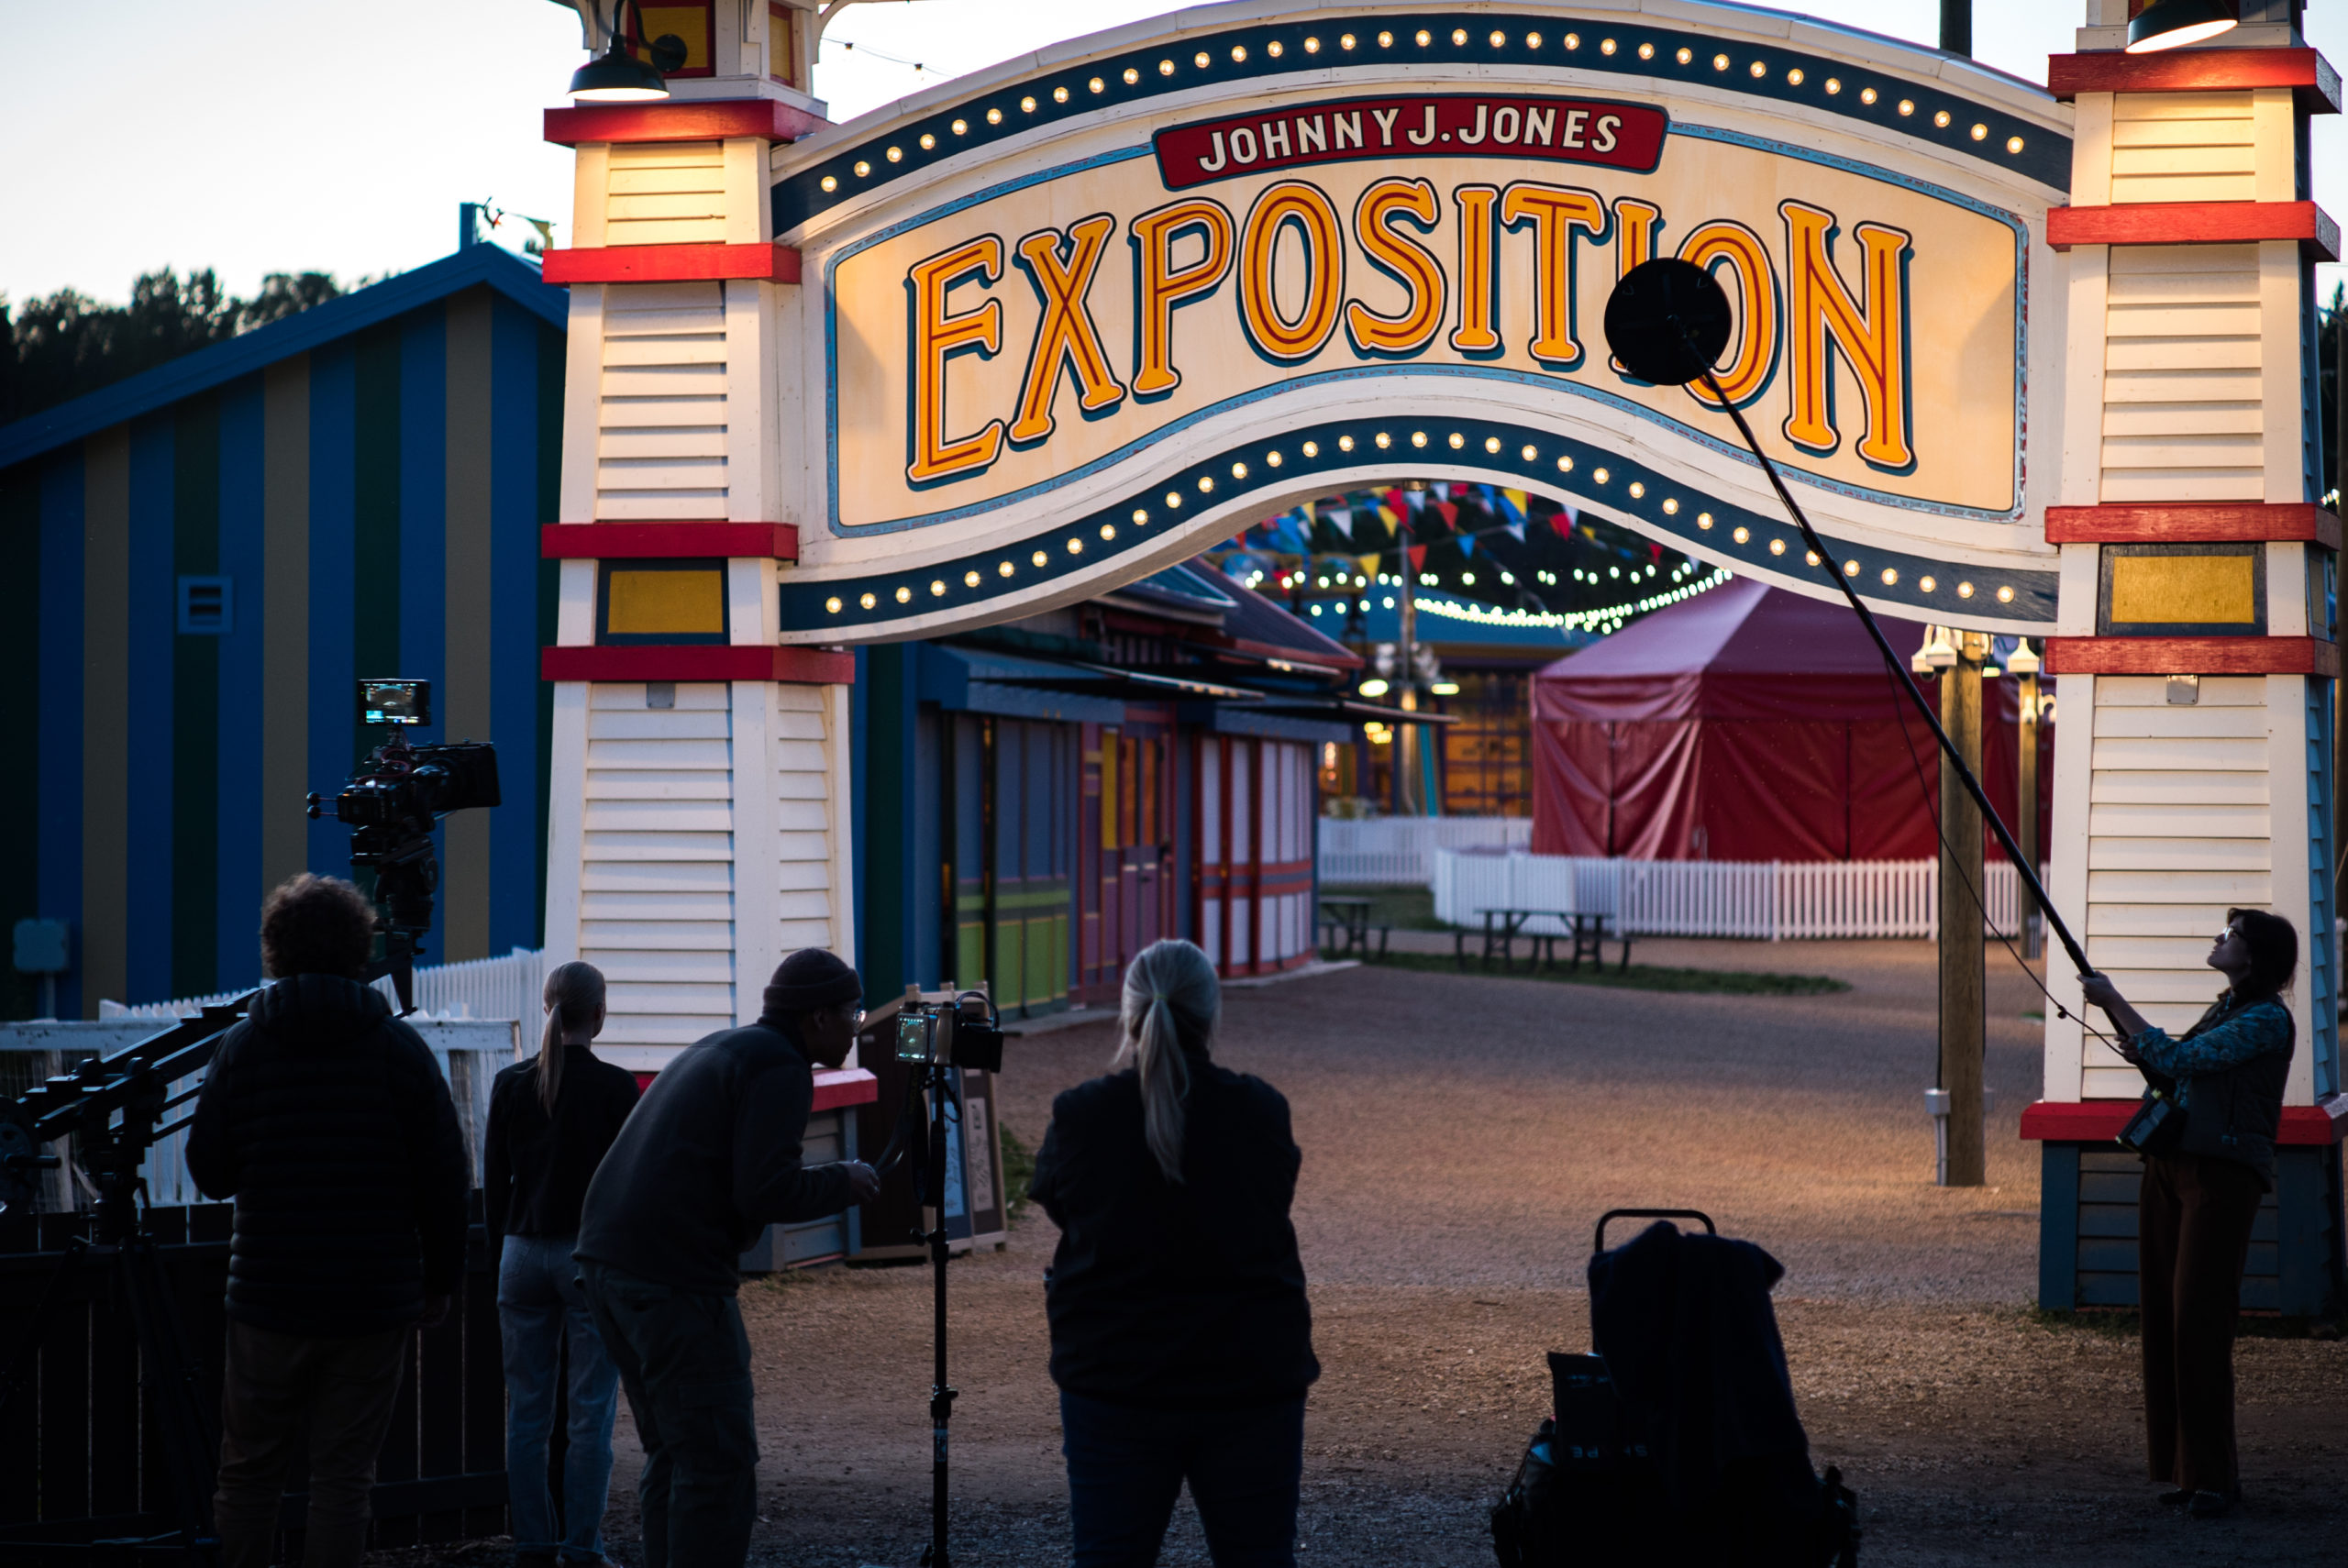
<point>1397,850</point>
<point>1775,901</point>
<point>507,987</point>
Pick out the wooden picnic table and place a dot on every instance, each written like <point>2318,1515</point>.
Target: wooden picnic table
<point>1586,931</point>
<point>1350,915</point>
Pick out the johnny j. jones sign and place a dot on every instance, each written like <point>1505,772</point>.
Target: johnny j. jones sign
<point>998,344</point>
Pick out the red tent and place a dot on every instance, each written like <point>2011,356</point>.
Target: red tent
<point>1749,723</point>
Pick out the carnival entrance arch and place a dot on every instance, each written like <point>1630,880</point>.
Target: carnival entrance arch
<point>2033,361</point>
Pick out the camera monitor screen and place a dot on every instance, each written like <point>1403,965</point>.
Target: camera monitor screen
<point>912,1037</point>
<point>395,702</point>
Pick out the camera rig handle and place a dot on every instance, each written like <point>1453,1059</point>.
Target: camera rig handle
<point>1598,1243</point>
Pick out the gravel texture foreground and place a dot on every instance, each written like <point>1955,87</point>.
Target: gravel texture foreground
<point>1461,1133</point>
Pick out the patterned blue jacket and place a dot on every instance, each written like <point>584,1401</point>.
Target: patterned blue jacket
<point>2222,1039</point>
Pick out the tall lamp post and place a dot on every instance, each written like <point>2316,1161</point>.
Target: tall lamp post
<point>2024,666</point>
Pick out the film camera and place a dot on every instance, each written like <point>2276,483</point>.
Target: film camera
<point>965,1033</point>
<point>393,806</point>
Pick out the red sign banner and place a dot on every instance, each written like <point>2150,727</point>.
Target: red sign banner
<point>1466,124</point>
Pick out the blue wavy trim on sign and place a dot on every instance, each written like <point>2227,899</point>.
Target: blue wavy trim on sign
<point>1934,117</point>
<point>1501,452</point>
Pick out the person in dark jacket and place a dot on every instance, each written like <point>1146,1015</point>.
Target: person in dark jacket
<point>2200,1200</point>
<point>550,1120</point>
<point>709,1158</point>
<point>1181,1339</point>
<point>328,1120</point>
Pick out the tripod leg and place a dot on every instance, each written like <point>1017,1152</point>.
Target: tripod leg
<point>941,1396</point>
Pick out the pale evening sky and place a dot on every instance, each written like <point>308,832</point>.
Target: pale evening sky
<point>258,135</point>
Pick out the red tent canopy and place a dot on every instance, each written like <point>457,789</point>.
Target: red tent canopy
<point>1749,723</point>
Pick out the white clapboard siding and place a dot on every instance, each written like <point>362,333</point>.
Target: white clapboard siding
<point>804,817</point>
<point>657,900</point>
<point>2179,829</point>
<point>665,194</point>
<point>2183,147</point>
<point>2183,416</point>
<point>661,438</point>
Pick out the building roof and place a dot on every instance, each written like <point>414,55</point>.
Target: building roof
<point>511,275</point>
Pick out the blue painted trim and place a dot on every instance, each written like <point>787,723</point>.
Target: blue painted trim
<point>61,810</point>
<point>151,714</point>
<point>1225,720</point>
<point>1077,545</point>
<point>243,551</point>
<point>1245,54</point>
<point>517,828</point>
<point>334,523</point>
<point>206,368</point>
<point>858,769</point>
<point>978,680</point>
<point>1377,368</point>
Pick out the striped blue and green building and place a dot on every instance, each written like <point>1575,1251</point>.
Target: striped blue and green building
<point>203,560</point>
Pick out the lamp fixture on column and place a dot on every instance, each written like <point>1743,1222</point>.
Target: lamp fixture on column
<point>2169,24</point>
<point>2022,662</point>
<point>616,76</point>
<point>1938,651</point>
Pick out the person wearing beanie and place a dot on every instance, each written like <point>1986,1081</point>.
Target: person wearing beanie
<point>708,1159</point>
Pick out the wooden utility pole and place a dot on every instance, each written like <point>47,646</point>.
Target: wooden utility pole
<point>1960,946</point>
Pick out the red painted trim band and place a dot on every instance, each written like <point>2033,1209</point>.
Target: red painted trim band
<point>2199,70</point>
<point>705,661</point>
<point>2191,655</point>
<point>673,264</point>
<point>2100,1121</point>
<point>2192,523</point>
<point>713,119</point>
<point>2196,223</point>
<point>839,1086</point>
<point>669,541</point>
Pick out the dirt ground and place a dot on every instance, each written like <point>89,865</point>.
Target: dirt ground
<point>1460,1135</point>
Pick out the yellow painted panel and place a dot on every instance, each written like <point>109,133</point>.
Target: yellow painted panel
<point>647,603</point>
<point>689,22</point>
<point>2183,590</point>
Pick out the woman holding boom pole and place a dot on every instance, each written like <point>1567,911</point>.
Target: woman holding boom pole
<point>2201,1196</point>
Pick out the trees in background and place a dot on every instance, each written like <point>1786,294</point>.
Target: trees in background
<point>62,345</point>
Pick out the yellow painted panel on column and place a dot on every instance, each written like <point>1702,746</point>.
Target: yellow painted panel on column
<point>2185,589</point>
<point>667,603</point>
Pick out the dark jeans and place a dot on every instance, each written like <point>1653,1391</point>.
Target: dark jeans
<point>1126,1465</point>
<point>685,1363</point>
<point>278,1389</point>
<point>541,1312</point>
<point>2194,1218</point>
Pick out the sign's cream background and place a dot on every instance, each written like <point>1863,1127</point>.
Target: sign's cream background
<point>1963,323</point>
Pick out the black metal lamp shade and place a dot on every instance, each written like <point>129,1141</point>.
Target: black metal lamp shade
<point>2169,24</point>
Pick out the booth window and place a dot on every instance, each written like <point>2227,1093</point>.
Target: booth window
<point>661,601</point>
<point>208,606</point>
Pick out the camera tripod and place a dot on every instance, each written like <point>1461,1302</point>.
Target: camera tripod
<point>936,1079</point>
<point>119,1247</point>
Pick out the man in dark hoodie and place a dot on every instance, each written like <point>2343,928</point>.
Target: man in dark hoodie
<point>708,1158</point>
<point>328,1120</point>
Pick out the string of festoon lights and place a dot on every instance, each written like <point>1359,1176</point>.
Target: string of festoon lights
<point>1603,620</point>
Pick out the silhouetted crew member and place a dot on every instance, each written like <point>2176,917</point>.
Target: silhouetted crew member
<point>328,1120</point>
<point>2200,1200</point>
<point>550,1121</point>
<point>708,1159</point>
<point>1181,1339</point>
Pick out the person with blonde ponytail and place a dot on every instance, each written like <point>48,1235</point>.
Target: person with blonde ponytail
<point>1181,1338</point>
<point>551,1119</point>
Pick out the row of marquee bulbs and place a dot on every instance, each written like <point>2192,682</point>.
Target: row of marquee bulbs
<point>617,76</point>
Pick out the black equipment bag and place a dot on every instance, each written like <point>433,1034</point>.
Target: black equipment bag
<point>1590,1493</point>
